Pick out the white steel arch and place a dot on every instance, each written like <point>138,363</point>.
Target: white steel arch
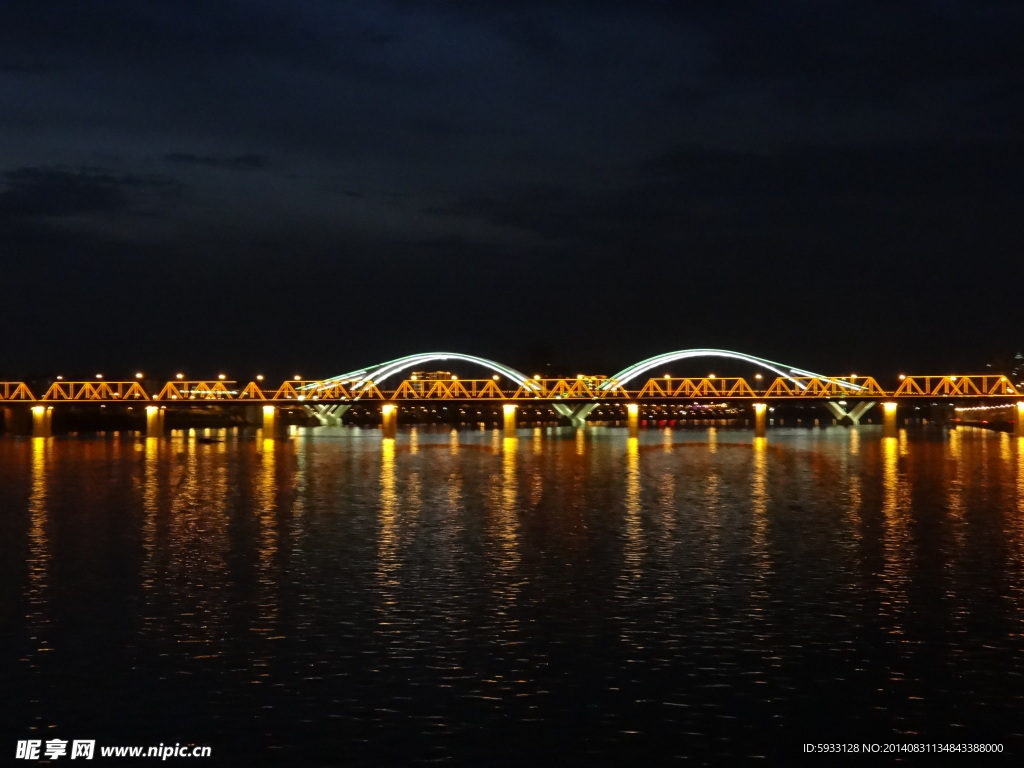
<point>780,369</point>
<point>377,373</point>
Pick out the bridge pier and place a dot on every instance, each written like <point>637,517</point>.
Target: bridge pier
<point>328,415</point>
<point>576,414</point>
<point>889,428</point>
<point>389,419</point>
<point>269,422</point>
<point>508,410</point>
<point>42,420</point>
<point>760,419</point>
<point>633,419</point>
<point>155,421</point>
<point>853,416</point>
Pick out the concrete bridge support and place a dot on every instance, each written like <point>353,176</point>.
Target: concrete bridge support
<point>576,414</point>
<point>270,422</point>
<point>328,415</point>
<point>889,427</point>
<point>389,419</point>
<point>854,415</point>
<point>508,410</point>
<point>155,421</point>
<point>42,420</point>
<point>633,419</point>
<point>760,419</point>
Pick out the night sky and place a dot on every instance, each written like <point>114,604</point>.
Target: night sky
<point>313,186</point>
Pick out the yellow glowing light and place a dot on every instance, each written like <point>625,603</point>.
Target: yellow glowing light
<point>99,375</point>
<point>60,378</point>
<point>508,409</point>
<point>668,376</point>
<point>952,378</point>
<point>138,375</point>
<point>259,377</point>
<point>38,410</point>
<point>760,407</point>
<point>296,377</point>
<point>268,410</point>
<point>495,377</point>
<point>903,376</point>
<point>388,408</point>
<point>454,377</point>
<point>711,375</point>
<point>632,409</point>
<point>536,376</point>
<point>221,376</point>
<point>758,376</point>
<point>889,407</point>
<point>179,375</point>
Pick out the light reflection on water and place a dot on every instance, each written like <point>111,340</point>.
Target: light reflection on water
<point>481,597</point>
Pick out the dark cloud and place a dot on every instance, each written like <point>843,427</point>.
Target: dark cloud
<point>249,162</point>
<point>57,192</point>
<point>553,158</point>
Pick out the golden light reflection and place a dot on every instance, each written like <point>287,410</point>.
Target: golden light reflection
<point>895,537</point>
<point>504,532</point>
<point>955,444</point>
<point>854,440</point>
<point>666,440</point>
<point>38,561</point>
<point>387,547</point>
<point>414,441</point>
<point>1020,475</point>
<point>509,448</point>
<point>712,440</point>
<point>268,495</point>
<point>538,440</point>
<point>759,508</point>
<point>453,442</point>
<point>854,494</point>
<point>581,442</point>
<point>633,529</point>
<point>151,502</point>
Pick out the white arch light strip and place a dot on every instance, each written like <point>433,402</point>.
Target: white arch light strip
<point>627,374</point>
<point>377,374</point>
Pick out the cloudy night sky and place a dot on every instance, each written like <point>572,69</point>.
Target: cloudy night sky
<point>313,186</point>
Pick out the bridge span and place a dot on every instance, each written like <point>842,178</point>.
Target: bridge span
<point>848,398</point>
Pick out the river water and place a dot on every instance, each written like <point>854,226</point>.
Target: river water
<point>466,598</point>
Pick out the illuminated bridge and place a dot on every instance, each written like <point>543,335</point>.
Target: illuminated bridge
<point>393,384</point>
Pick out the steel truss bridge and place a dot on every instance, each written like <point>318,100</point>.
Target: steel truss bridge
<point>573,398</point>
<point>509,385</point>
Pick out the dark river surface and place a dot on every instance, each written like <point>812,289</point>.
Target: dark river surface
<point>562,598</point>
